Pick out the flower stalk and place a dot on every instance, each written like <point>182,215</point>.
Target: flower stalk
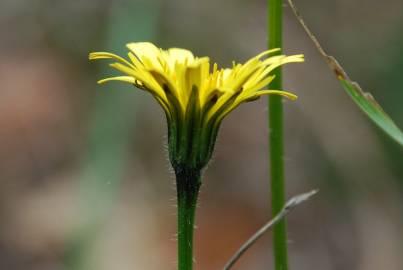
<point>275,24</point>
<point>188,183</point>
<point>195,97</point>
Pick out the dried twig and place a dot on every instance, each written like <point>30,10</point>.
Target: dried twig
<point>291,203</point>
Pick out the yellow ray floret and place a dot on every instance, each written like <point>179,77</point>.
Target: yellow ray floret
<point>172,75</point>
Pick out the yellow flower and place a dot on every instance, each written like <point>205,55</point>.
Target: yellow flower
<point>194,95</point>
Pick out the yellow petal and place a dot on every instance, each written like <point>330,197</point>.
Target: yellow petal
<point>128,79</point>
<point>125,69</point>
<point>181,55</point>
<point>107,55</point>
<point>277,92</point>
<point>142,49</point>
<point>147,53</point>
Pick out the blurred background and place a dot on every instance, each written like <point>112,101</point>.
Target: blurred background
<point>85,180</point>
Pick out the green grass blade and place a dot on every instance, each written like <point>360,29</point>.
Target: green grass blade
<point>372,109</point>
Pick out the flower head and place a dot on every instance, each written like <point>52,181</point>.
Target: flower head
<point>194,94</point>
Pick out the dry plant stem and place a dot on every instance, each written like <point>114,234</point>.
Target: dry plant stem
<point>293,202</point>
<point>275,10</point>
<point>329,59</point>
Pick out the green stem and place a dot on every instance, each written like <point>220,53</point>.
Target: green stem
<point>188,185</point>
<point>276,138</point>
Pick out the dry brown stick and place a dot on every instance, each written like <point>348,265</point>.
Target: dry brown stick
<point>291,203</point>
<point>330,60</point>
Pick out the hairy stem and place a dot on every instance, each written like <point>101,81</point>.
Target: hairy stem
<point>188,185</point>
